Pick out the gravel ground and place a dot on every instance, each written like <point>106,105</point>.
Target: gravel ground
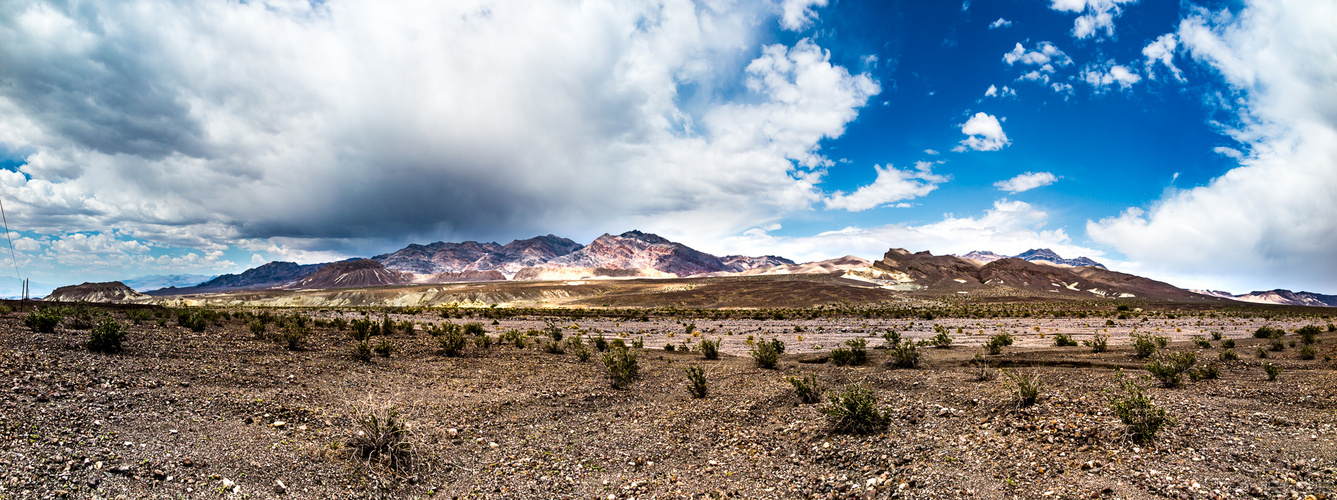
<point>220,414</point>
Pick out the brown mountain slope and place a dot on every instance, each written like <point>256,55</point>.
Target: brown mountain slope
<point>112,291</point>
<point>350,274</point>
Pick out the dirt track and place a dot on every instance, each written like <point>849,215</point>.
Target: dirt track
<point>179,412</point>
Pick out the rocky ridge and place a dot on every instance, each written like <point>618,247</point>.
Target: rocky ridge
<point>111,291</point>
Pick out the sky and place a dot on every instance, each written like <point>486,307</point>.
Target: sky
<point>1191,142</point>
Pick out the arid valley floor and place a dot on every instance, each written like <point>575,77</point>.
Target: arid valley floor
<point>220,413</point>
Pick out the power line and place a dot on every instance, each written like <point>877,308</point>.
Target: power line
<point>12,256</point>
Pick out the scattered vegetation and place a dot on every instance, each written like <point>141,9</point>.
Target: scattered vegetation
<point>696,381</point>
<point>997,342</point>
<point>1201,342</point>
<point>983,372</point>
<point>384,348</point>
<point>904,355</point>
<point>1271,370</point>
<point>1098,343</point>
<point>621,365</point>
<point>1169,368</point>
<point>362,351</point>
<point>855,353</point>
<point>1026,387</point>
<point>1064,340</point>
<point>809,391</point>
<point>1141,416</point>
<point>43,320</point>
<point>1228,355</point>
<point>767,354</point>
<point>452,340</point>
<point>106,336</point>
<point>1228,343</point>
<point>710,349</point>
<point>1145,345</point>
<point>855,411</point>
<point>381,439</point>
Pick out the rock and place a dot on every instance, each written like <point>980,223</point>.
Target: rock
<point>279,487</point>
<point>278,424</point>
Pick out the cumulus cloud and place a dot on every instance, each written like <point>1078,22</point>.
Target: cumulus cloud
<point>1008,227</point>
<point>1000,23</point>
<point>199,125</point>
<point>1097,16</point>
<point>1101,77</point>
<point>799,14</point>
<point>985,134</point>
<point>891,185</point>
<point>1026,182</point>
<point>1268,220</point>
<point>1044,54</point>
<point>1162,51</point>
<point>994,91</point>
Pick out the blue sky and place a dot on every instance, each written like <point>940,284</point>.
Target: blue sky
<point>1192,142</point>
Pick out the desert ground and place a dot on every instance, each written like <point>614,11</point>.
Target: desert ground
<point>229,413</point>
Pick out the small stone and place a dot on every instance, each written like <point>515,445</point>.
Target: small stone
<point>278,424</point>
<point>279,487</point>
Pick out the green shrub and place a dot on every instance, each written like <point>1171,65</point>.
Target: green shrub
<point>669,347</point>
<point>513,336</point>
<point>997,342</point>
<point>1027,387</point>
<point>1201,342</point>
<point>809,391</point>
<point>384,348</point>
<point>1260,352</point>
<point>1217,335</point>
<point>941,340</point>
<point>890,339</point>
<point>43,320</point>
<point>856,353</point>
<point>554,347</point>
<point>453,341</point>
<point>106,336</point>
<point>1264,332</point>
<point>1228,343</point>
<point>1309,334</point>
<point>1064,340</point>
<point>582,354</point>
<point>983,372</point>
<point>192,319</point>
<point>639,343</point>
<point>137,316</point>
<point>483,342</point>
<point>621,365</point>
<point>1169,368</point>
<point>779,346</point>
<point>601,343</point>
<point>1308,352</point>
<point>1271,370</point>
<point>362,329</point>
<point>1208,371</point>
<point>1141,416</point>
<point>387,325</point>
<point>696,381</point>
<point>258,330</point>
<point>362,351</point>
<point>1228,355</point>
<point>855,411</point>
<point>1145,345</point>
<point>904,355</point>
<point>1098,343</point>
<point>710,349</point>
<point>1276,344</point>
<point>82,318</point>
<point>766,355</point>
<point>475,328</point>
<point>291,335</point>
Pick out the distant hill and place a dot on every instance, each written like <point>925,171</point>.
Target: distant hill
<point>112,291</point>
<point>1281,297</point>
<point>358,273</point>
<point>271,275</point>
<point>154,282</point>
<point>637,250</point>
<point>442,257</point>
<point>1033,255</point>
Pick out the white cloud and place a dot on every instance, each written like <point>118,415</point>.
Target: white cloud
<point>1096,15</point>
<point>1026,182</point>
<point>1102,77</point>
<point>1000,23</point>
<point>891,185</point>
<point>796,15</point>
<point>994,91</point>
<point>1009,227</point>
<point>1044,53</point>
<point>985,134</point>
<point>1162,51</point>
<point>1266,223</point>
<point>931,152</point>
<point>1062,88</point>
<point>198,125</point>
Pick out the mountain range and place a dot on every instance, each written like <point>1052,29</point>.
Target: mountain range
<point>1284,297</point>
<point>1034,255</point>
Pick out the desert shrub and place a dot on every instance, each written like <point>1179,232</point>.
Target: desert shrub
<point>362,351</point>
<point>1141,416</point>
<point>382,439</point>
<point>855,353</point>
<point>191,319</point>
<point>1271,370</point>
<point>941,340</point>
<point>841,356</point>
<point>43,320</point>
<point>639,343</point>
<point>809,391</point>
<point>1228,343</point>
<point>1264,332</point>
<point>904,355</point>
<point>361,329</point>
<point>779,346</point>
<point>387,325</point>
<point>601,343</point>
<point>696,381</point>
<point>583,354</point>
<point>710,349</point>
<point>1064,340</point>
<point>1169,368</point>
<point>621,365</point>
<point>514,337</point>
<point>1026,387</point>
<point>554,347</point>
<point>765,354</point>
<point>1098,343</point>
<point>258,330</point>
<point>1228,355</point>
<point>890,339</point>
<point>384,348</point>
<point>1209,371</point>
<point>619,344</point>
<point>983,372</point>
<point>1217,335</point>
<point>1308,334</point>
<point>1161,341</point>
<point>106,336</point>
<point>553,331</point>
<point>1144,345</point>
<point>669,347</point>
<point>291,335</point>
<point>855,411</point>
<point>474,329</point>
<point>483,342</point>
<point>453,341</point>
<point>81,318</point>
<point>1276,344</point>
<point>1332,327</point>
<point>997,342</point>
<point>137,316</point>
<point>339,324</point>
<point>1201,342</point>
<point>1307,352</point>
<point>1260,352</point>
